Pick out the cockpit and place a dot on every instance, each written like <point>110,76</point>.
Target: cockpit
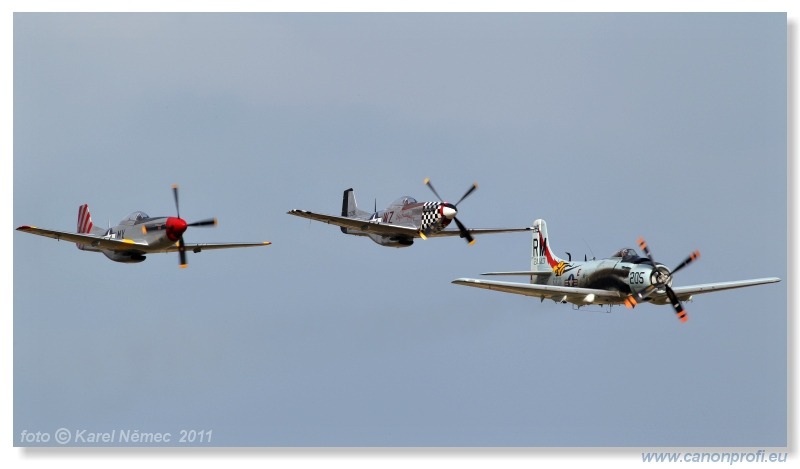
<point>134,218</point>
<point>629,255</point>
<point>405,200</point>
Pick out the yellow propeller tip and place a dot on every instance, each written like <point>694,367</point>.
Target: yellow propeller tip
<point>427,180</point>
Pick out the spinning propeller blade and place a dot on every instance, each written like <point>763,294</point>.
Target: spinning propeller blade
<point>676,304</point>
<point>182,253</point>
<point>208,222</point>
<point>466,194</point>
<point>643,245</point>
<point>692,257</point>
<point>464,233</point>
<point>427,182</point>
<point>175,195</point>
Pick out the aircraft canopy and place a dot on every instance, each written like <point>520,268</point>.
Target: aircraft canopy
<point>627,255</point>
<point>405,200</point>
<point>134,218</point>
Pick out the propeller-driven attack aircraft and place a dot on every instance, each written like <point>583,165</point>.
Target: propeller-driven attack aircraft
<point>137,235</point>
<point>624,278</point>
<point>403,220</point>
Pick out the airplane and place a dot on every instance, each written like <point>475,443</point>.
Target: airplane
<point>403,220</point>
<point>624,278</point>
<point>136,236</point>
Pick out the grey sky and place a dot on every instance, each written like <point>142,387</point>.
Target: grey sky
<point>610,127</point>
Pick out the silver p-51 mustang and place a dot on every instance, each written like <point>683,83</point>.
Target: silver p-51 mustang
<point>135,236</point>
<point>402,221</point>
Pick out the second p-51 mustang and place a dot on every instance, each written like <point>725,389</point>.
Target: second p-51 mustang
<point>135,236</point>
<point>402,221</point>
<point>624,278</point>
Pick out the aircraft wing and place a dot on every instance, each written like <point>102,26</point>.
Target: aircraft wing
<point>685,292</point>
<point>477,231</point>
<point>110,244</point>
<point>571,294</point>
<point>360,225</point>
<point>199,247</point>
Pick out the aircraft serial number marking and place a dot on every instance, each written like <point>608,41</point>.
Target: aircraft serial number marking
<point>636,278</point>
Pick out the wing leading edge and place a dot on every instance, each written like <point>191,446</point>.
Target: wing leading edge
<point>685,292</point>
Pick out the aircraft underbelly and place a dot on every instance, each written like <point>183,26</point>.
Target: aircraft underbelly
<point>124,257</point>
<point>392,241</point>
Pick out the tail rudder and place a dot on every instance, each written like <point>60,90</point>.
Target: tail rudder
<point>85,224</point>
<point>542,257</point>
<point>350,207</point>
<point>348,201</point>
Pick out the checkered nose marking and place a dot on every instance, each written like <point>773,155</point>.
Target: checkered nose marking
<point>432,215</point>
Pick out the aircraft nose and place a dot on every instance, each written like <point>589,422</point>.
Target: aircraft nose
<point>175,228</point>
<point>448,211</point>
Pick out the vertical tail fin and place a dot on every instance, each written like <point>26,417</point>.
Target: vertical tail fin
<point>85,224</point>
<point>350,207</point>
<point>542,257</point>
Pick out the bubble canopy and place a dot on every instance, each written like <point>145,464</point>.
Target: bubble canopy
<point>405,200</point>
<point>135,217</point>
<point>629,255</point>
